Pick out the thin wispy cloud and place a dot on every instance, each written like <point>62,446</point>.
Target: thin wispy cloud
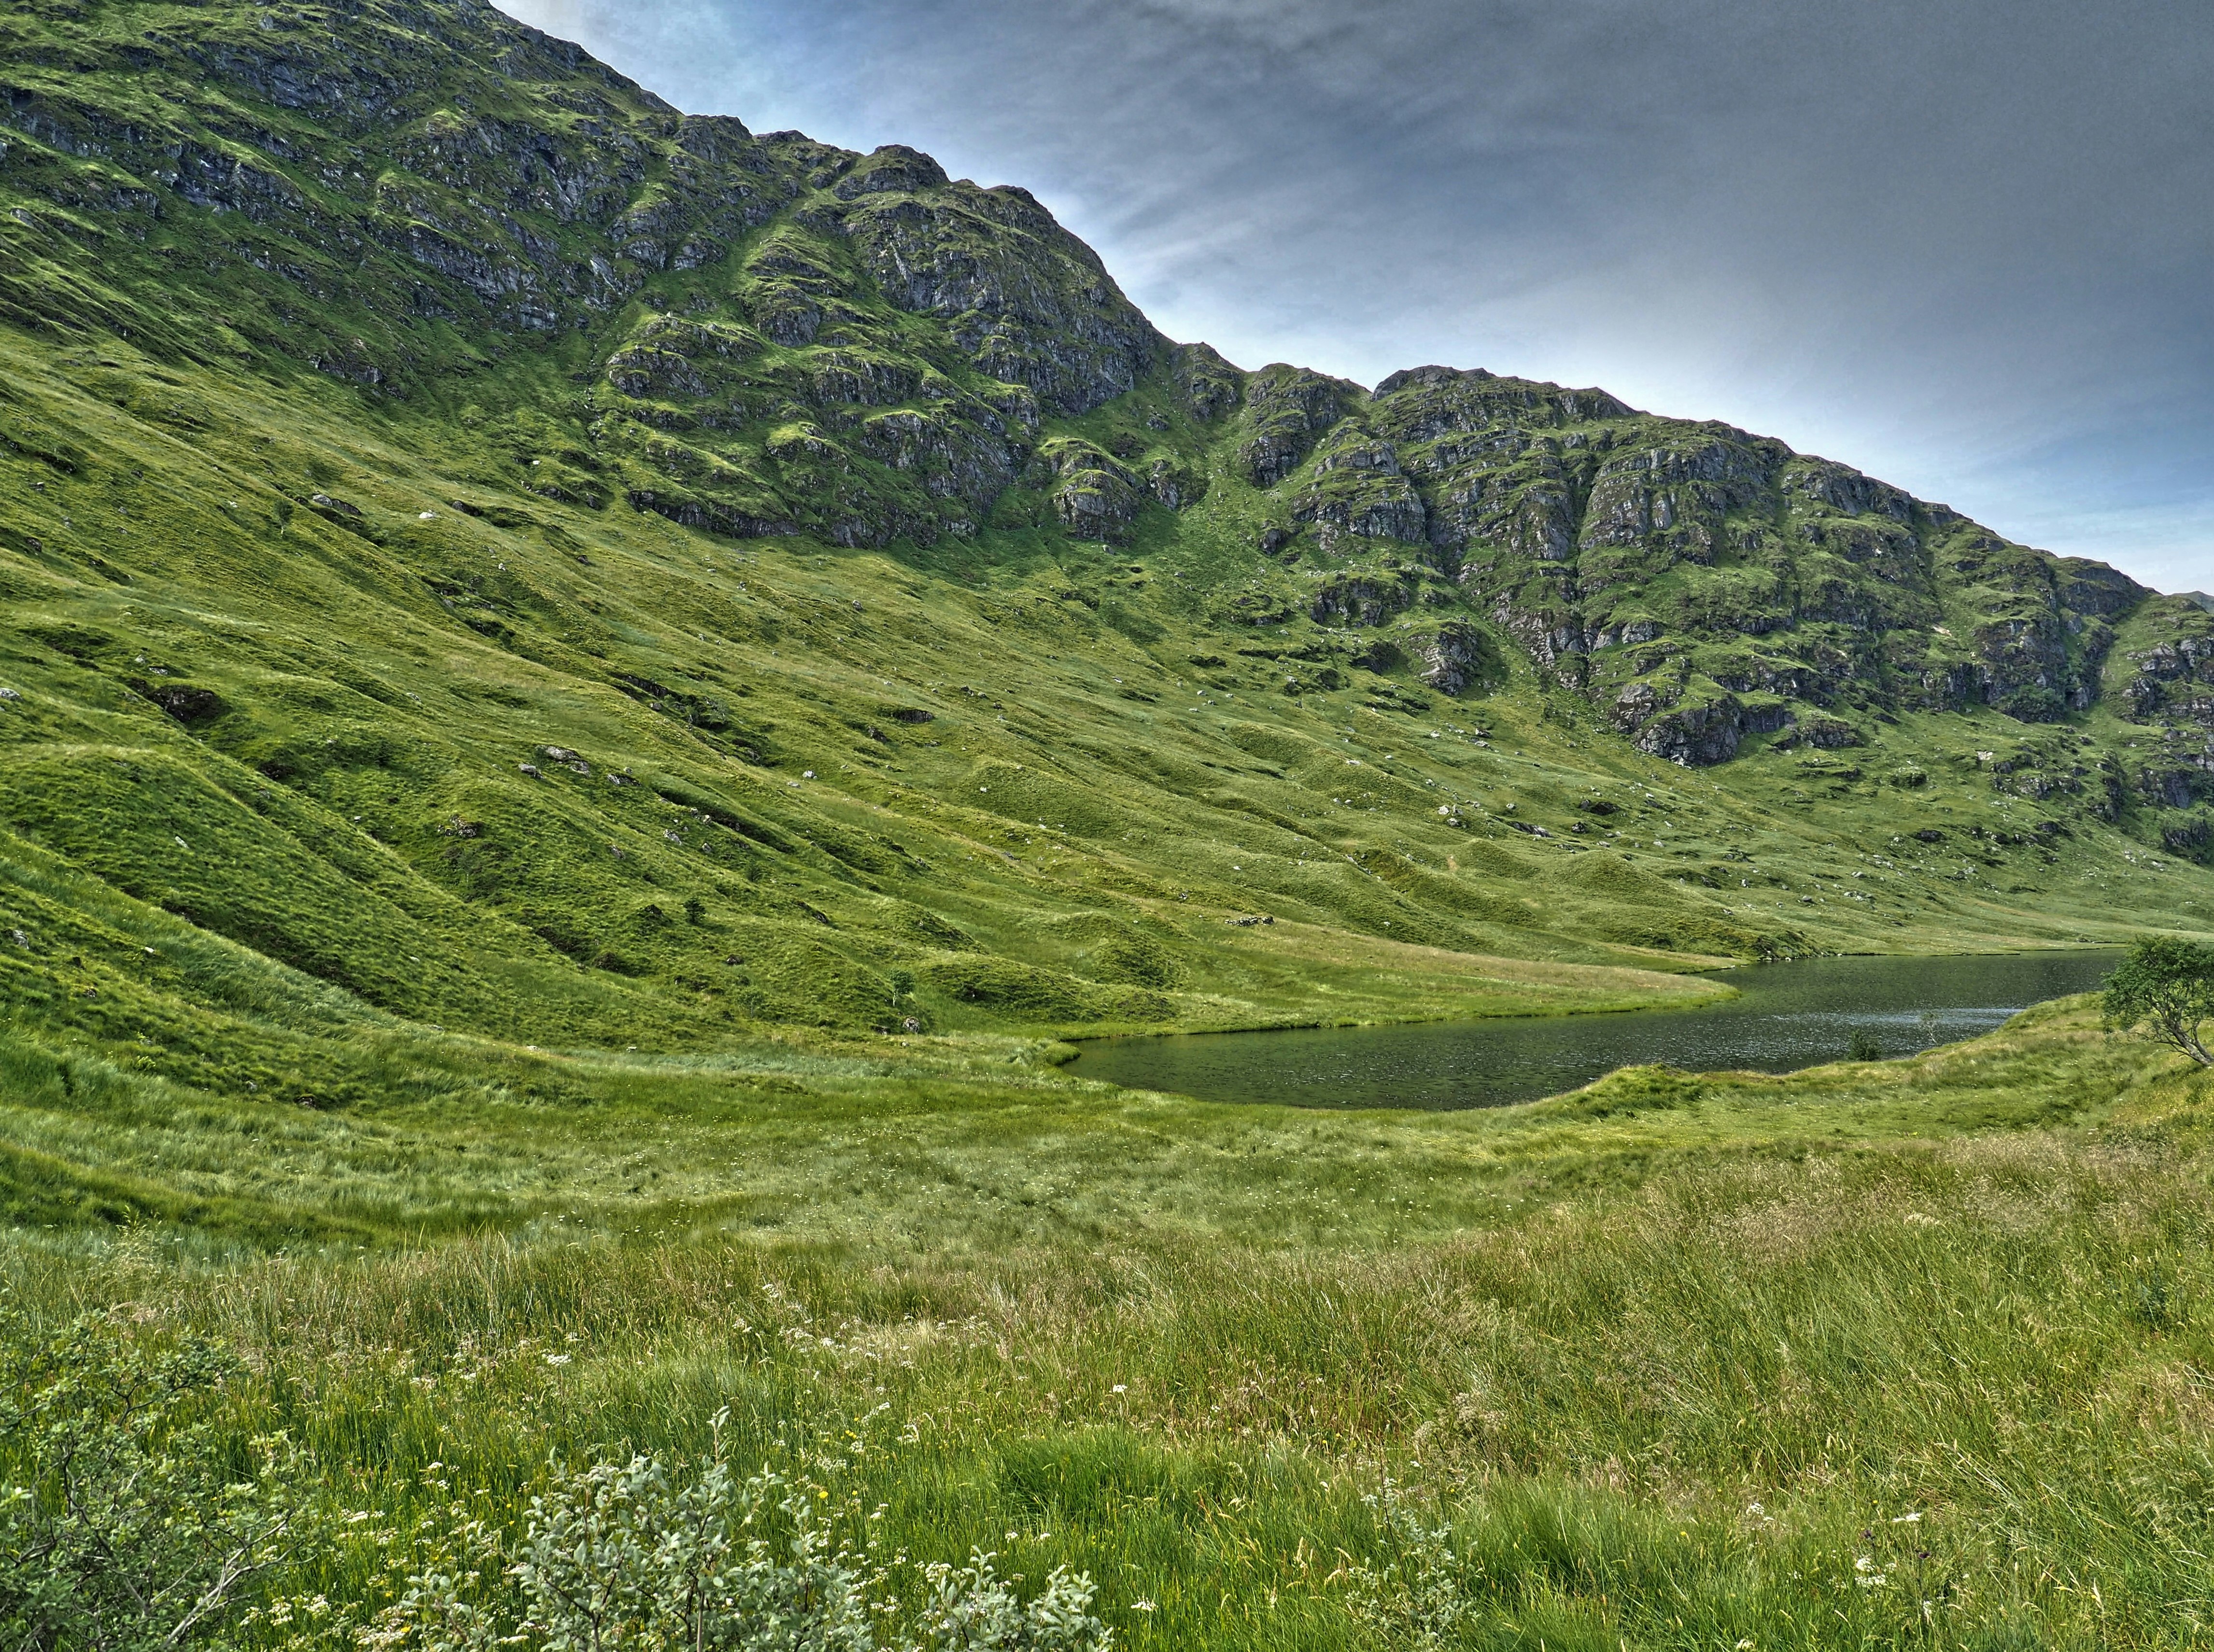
<point>1963,247</point>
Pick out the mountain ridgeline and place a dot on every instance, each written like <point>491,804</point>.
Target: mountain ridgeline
<point>662,571</point>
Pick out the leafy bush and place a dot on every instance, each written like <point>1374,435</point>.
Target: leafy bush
<point>131,1517</point>
<point>627,1555</point>
<point>1416,1598</point>
<point>971,1609</point>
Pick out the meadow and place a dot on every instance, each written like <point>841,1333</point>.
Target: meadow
<point>1889,1354</point>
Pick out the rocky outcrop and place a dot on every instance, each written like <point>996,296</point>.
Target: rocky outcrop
<point>1026,300</point>
<point>778,336</point>
<point>1212,388</point>
<point>2173,671</point>
<point>1826,733</point>
<point>1093,496</point>
<point>1356,485</point>
<point>1423,403</point>
<point>1287,408</point>
<point>1591,533</point>
<point>1360,600</point>
<point>364,165</point>
<point>1454,658</point>
<point>1696,733</point>
<point>1174,485</point>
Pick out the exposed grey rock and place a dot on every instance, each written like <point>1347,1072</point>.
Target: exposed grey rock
<point>188,704</point>
<point>1356,485</point>
<point>1095,498</point>
<point>1698,735</point>
<point>893,168</point>
<point>1453,657</point>
<point>1211,385</point>
<point>1285,409</point>
<point>1174,485</point>
<point>1030,304</point>
<point>1360,599</point>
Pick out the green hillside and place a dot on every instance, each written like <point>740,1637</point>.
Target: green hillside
<point>588,698</point>
<point>553,567</point>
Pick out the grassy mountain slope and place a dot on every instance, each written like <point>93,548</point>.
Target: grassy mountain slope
<point>554,567</point>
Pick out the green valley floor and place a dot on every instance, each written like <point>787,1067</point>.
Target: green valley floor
<point>1911,1353</point>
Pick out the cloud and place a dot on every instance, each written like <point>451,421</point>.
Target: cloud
<point>1963,247</point>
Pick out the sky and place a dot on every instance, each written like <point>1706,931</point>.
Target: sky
<point>1967,246</point>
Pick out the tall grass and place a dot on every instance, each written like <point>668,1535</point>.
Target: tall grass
<point>1943,1391</point>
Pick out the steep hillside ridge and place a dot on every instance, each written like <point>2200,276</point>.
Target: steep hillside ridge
<point>1703,584</point>
<point>547,565</point>
<point>389,202</point>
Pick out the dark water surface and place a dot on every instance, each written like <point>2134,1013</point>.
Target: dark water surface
<point>1789,1016</point>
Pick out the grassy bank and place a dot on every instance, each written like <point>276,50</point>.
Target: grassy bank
<point>1908,1353</point>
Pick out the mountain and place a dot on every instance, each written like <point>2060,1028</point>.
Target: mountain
<point>482,541</point>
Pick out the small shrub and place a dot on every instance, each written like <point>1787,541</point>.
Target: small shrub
<point>627,1555</point>
<point>130,1519</point>
<point>1417,1599</point>
<point>971,1609</point>
<point>1863,1045</point>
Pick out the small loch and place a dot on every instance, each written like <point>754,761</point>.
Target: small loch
<point>1787,1016</point>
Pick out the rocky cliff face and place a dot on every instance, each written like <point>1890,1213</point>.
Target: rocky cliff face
<point>1702,585</point>
<point>857,347</point>
<point>767,336</point>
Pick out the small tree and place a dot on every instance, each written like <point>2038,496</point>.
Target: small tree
<point>2164,990</point>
